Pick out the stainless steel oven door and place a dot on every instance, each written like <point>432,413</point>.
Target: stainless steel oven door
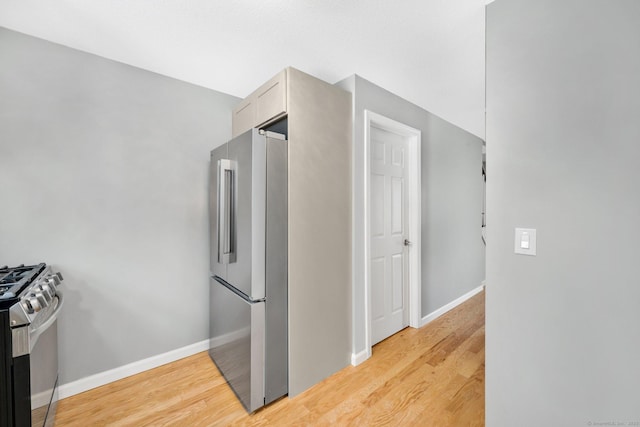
<point>43,362</point>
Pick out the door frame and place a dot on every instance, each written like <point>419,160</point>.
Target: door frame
<point>414,138</point>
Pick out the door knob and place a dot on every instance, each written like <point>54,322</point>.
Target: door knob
<point>407,242</point>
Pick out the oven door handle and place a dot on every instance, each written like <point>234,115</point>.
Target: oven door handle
<point>35,334</point>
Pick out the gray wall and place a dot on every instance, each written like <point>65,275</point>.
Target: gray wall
<point>452,250</point>
<point>103,172</point>
<point>563,133</point>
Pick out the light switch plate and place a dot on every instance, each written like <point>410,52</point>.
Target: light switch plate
<point>525,242</point>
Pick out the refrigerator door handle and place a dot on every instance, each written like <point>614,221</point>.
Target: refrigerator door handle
<point>226,241</point>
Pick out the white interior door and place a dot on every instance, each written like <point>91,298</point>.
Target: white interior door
<point>389,269</point>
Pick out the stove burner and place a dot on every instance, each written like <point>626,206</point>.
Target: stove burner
<point>14,279</point>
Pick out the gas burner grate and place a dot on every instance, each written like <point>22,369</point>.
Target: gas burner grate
<point>14,279</point>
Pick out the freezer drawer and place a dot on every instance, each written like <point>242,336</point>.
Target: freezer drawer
<point>237,343</point>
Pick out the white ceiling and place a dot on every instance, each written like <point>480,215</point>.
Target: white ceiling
<point>430,52</point>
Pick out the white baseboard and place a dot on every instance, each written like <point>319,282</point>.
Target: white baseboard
<point>41,399</point>
<point>102,378</point>
<point>358,358</point>
<point>442,310</point>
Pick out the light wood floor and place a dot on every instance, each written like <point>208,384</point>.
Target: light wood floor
<point>433,376</point>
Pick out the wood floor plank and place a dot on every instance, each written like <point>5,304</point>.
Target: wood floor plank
<point>428,376</point>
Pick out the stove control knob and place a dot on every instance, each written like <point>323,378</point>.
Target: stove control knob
<point>45,290</point>
<point>38,296</point>
<point>48,290</point>
<point>34,303</point>
<point>27,307</point>
<point>53,281</point>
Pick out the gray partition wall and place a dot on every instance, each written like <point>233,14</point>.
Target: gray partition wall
<point>563,143</point>
<point>103,173</point>
<point>452,253</point>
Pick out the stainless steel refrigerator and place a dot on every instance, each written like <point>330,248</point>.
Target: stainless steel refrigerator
<point>248,265</point>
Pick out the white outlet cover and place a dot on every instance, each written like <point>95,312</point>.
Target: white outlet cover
<point>521,236</point>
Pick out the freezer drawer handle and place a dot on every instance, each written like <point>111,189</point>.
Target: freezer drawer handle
<point>226,223</point>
